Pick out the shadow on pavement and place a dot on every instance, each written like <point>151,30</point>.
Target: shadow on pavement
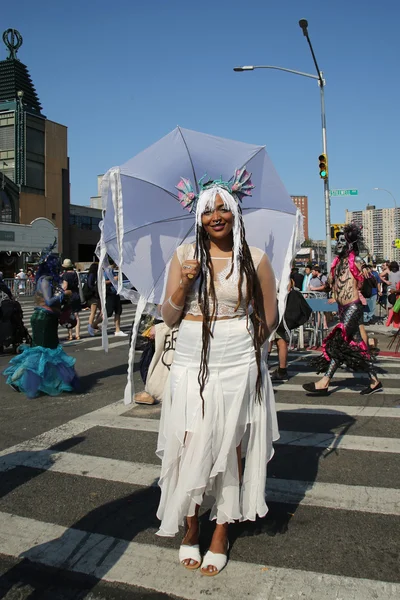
<point>31,581</point>
<point>17,468</point>
<point>87,382</point>
<point>90,547</point>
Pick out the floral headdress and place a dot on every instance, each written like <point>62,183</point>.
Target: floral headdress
<point>239,185</point>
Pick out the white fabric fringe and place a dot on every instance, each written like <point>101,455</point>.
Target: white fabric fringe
<point>199,453</point>
<point>111,186</point>
<point>294,246</point>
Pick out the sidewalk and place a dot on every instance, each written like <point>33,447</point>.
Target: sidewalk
<point>384,336</point>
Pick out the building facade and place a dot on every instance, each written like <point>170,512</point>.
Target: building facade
<point>34,164</point>
<point>381,227</point>
<point>95,201</point>
<point>84,233</point>
<point>302,204</point>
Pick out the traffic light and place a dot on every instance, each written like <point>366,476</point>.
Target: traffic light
<point>323,166</point>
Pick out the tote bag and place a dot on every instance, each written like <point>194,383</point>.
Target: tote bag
<point>165,342</point>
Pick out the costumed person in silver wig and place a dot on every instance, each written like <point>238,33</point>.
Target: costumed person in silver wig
<point>44,367</point>
<point>218,404</point>
<point>340,347</point>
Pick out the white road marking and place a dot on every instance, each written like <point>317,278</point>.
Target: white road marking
<point>338,441</point>
<point>345,375</point>
<point>330,409</point>
<point>360,498</point>
<point>94,467</point>
<point>108,416</point>
<point>116,422</point>
<point>293,387</point>
<point>66,430</point>
<point>327,495</point>
<point>288,438</point>
<point>384,362</point>
<point>124,342</point>
<point>86,340</point>
<point>118,561</point>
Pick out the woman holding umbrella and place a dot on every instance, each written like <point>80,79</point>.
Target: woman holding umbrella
<point>218,405</point>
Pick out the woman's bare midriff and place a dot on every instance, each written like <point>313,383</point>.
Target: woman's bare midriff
<point>199,318</point>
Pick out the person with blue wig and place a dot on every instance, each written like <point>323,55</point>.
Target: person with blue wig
<point>44,367</point>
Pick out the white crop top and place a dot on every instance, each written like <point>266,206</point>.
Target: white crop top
<point>226,291</point>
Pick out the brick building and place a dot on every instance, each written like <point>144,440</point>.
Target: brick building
<point>302,204</point>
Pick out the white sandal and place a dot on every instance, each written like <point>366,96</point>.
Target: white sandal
<point>190,552</point>
<point>214,560</point>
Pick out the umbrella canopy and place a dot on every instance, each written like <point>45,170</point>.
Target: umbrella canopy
<point>144,221</point>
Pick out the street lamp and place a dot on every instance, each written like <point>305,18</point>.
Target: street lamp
<point>385,190</point>
<point>321,82</point>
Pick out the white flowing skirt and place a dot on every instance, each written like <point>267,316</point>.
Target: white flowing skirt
<point>199,455</point>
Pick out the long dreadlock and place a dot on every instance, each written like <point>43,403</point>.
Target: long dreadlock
<point>253,298</point>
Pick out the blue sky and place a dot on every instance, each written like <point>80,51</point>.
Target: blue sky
<point>122,74</point>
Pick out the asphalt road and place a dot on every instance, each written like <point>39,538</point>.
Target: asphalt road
<point>78,494</point>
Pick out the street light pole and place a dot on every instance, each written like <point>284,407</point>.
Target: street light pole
<point>321,82</point>
<point>326,184</point>
<point>389,192</point>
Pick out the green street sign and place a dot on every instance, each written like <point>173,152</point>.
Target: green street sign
<point>343,192</point>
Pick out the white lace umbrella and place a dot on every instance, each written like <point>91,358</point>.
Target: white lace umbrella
<point>144,222</point>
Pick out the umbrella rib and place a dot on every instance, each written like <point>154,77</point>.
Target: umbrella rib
<point>191,162</point>
<point>153,184</point>
<point>255,154</point>
<point>171,220</point>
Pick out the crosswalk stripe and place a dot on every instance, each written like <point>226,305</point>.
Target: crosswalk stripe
<point>294,387</point>
<point>287,438</point>
<point>342,375</point>
<point>84,316</point>
<point>327,495</point>
<point>384,364</point>
<point>108,469</point>
<point>67,430</point>
<point>156,567</point>
<point>130,312</point>
<point>350,411</point>
<point>113,345</point>
<point>362,498</point>
<point>108,416</point>
<point>86,340</point>
<point>342,442</point>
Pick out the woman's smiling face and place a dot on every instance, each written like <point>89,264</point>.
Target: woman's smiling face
<point>218,223</point>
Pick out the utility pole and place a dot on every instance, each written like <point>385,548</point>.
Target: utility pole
<point>321,82</point>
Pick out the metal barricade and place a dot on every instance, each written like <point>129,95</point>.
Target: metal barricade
<point>20,287</point>
<point>311,333</point>
<point>318,302</point>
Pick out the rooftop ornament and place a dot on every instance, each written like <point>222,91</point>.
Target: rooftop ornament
<point>13,41</point>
